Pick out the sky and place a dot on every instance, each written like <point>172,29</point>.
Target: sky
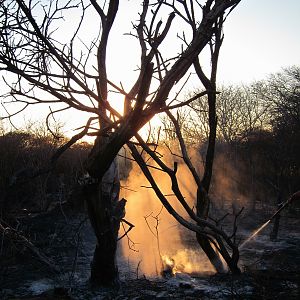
<point>261,37</point>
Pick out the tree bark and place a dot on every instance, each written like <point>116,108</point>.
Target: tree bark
<point>213,255</point>
<point>202,208</point>
<point>105,213</point>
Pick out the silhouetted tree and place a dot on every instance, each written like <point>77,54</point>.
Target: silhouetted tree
<point>44,68</point>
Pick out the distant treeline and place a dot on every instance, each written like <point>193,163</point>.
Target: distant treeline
<point>24,153</point>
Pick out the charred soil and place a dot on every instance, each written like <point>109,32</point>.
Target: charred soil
<point>270,268</point>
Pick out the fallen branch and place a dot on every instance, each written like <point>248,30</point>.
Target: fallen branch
<point>14,235</point>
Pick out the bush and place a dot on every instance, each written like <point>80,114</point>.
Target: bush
<point>22,154</point>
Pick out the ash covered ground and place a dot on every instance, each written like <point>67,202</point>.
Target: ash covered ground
<point>270,268</point>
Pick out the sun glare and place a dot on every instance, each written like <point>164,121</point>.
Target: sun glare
<point>151,129</point>
<point>117,102</point>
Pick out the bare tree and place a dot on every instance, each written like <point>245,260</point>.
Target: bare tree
<point>240,112</point>
<point>43,68</point>
<point>210,237</point>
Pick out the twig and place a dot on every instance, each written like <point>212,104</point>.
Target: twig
<point>15,235</point>
<point>235,225</point>
<point>128,230</point>
<point>129,240</point>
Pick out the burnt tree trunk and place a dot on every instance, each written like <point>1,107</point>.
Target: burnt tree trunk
<point>202,208</point>
<point>203,202</point>
<point>213,255</point>
<point>105,213</point>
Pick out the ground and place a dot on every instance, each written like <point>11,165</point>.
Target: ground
<point>270,268</point>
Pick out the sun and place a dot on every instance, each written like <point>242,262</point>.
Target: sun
<point>116,101</point>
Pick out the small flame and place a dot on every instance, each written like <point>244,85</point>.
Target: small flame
<point>168,266</point>
<point>169,261</point>
<point>184,261</point>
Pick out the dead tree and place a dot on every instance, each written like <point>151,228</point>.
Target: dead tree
<point>44,68</point>
<point>213,240</point>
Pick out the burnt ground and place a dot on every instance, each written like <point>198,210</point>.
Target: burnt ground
<point>270,268</point>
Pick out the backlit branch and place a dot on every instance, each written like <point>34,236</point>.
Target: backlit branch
<point>212,231</point>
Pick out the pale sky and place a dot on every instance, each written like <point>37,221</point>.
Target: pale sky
<point>261,37</point>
